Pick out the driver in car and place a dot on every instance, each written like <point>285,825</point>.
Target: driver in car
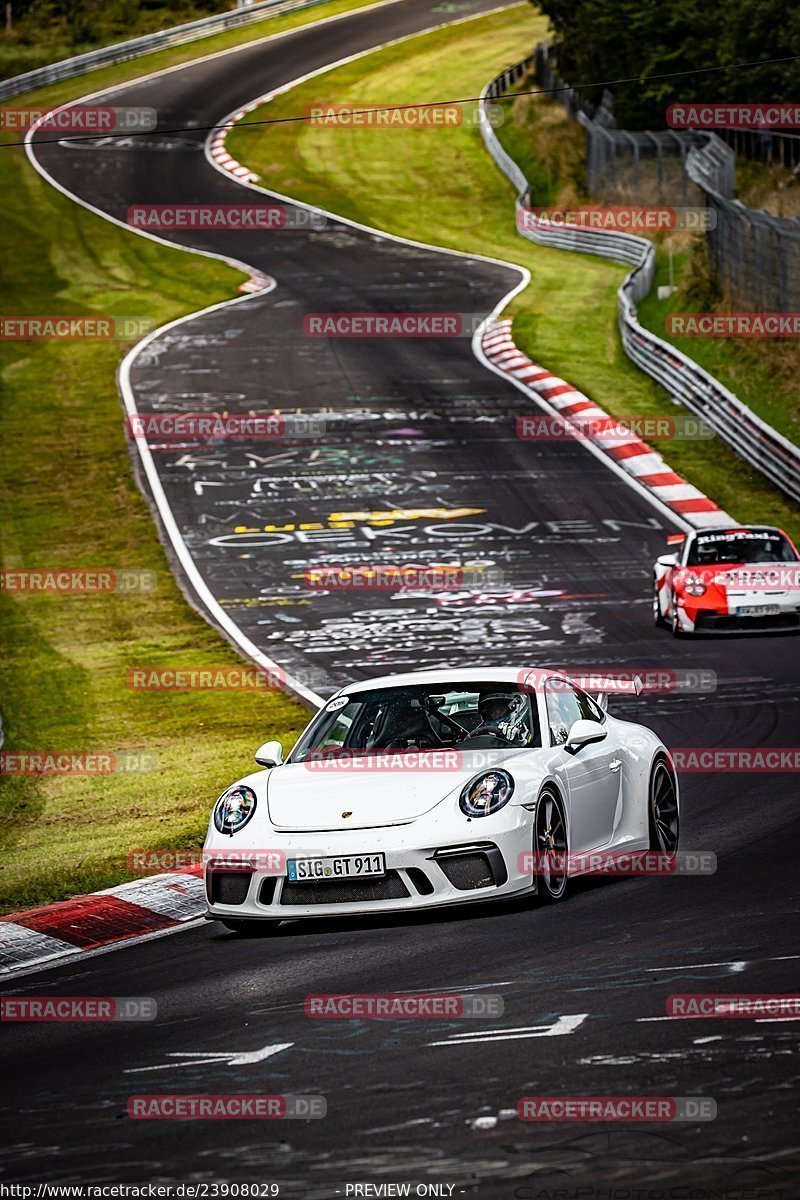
<point>504,713</point>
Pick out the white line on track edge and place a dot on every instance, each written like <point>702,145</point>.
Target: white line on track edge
<point>76,955</point>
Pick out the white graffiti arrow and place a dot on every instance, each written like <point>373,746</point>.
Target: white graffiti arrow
<point>225,1058</point>
<point>565,1024</point>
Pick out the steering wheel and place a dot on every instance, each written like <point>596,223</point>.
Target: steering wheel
<point>484,728</point>
<point>415,743</point>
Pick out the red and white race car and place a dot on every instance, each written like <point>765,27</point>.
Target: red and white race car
<point>718,580</point>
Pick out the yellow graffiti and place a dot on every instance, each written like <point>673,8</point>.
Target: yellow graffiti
<point>278,528</point>
<point>391,515</point>
<point>348,520</point>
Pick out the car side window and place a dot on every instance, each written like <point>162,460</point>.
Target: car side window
<point>336,737</point>
<point>563,709</point>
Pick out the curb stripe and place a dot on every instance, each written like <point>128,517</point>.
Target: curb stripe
<point>93,920</point>
<point>19,945</point>
<point>698,505</point>
<point>156,903</point>
<point>630,450</point>
<point>664,479</point>
<point>579,406</point>
<point>635,457</point>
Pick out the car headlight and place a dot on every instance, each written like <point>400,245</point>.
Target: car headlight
<point>486,793</point>
<point>234,809</point>
<point>694,585</point>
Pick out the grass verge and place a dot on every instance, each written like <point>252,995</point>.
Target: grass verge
<point>762,372</point>
<point>68,500</point>
<point>440,185</point>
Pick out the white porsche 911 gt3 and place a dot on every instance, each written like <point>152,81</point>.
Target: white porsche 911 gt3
<point>434,788</point>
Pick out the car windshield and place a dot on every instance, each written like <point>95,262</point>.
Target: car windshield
<point>743,546</point>
<point>423,717</point>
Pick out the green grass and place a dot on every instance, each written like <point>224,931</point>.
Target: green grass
<point>762,372</point>
<point>440,186</point>
<point>548,147</point>
<point>68,499</point>
<point>93,81</point>
<point>773,188</point>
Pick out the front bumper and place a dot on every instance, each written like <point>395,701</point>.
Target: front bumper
<point>482,864</point>
<point>725,618</point>
<point>711,622</point>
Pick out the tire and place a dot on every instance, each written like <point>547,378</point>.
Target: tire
<point>663,815</point>
<point>254,928</point>
<point>658,620</point>
<point>550,834</point>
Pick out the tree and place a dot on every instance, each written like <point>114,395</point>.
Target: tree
<point>602,40</point>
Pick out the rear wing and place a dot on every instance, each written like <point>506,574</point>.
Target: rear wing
<point>602,686</point>
<point>598,684</point>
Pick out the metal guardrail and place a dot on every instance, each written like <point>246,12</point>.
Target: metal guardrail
<point>734,423</point>
<point>107,56</point>
<point>754,255</point>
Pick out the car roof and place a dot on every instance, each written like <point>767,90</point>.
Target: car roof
<point>449,675</point>
<point>735,529</point>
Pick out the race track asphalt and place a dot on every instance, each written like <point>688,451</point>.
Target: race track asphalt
<point>415,426</point>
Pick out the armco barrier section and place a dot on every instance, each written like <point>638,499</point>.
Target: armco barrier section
<point>734,423</point>
<point>107,56</point>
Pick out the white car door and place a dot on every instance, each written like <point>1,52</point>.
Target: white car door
<point>592,776</point>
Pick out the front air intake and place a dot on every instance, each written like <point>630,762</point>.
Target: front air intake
<point>470,870</point>
<point>228,887</point>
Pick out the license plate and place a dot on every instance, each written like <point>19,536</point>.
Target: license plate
<point>759,610</point>
<point>345,867</point>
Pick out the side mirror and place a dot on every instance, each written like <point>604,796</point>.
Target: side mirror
<point>583,733</point>
<point>667,560</point>
<point>270,754</point>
